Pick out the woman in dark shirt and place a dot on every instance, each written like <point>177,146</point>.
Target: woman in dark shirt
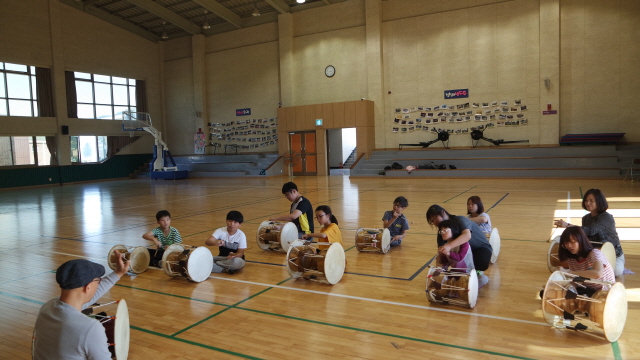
<point>599,225</point>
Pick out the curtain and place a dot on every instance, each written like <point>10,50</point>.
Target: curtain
<point>117,143</point>
<point>51,145</point>
<point>72,100</point>
<point>45,92</point>
<point>141,96</point>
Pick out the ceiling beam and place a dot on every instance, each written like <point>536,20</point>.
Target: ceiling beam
<point>90,2</point>
<point>168,15</point>
<point>220,10</point>
<point>101,14</point>
<point>279,5</point>
<point>327,2</point>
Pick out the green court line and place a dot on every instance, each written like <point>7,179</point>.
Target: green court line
<point>21,298</point>
<point>460,194</point>
<point>174,295</point>
<point>195,343</point>
<point>220,312</point>
<point>350,248</point>
<point>386,334</point>
<point>173,337</point>
<point>616,350</point>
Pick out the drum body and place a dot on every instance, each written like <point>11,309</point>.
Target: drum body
<point>307,261</point>
<point>194,263</point>
<point>452,287</point>
<point>377,240</point>
<point>276,236</point>
<point>603,314</point>
<point>494,240</point>
<point>138,257</point>
<point>553,261</point>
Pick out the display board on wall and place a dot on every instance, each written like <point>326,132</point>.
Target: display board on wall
<point>485,114</point>
<point>246,134</point>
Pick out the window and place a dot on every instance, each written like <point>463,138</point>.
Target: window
<point>18,95</point>
<point>88,149</point>
<point>104,97</point>
<point>24,150</point>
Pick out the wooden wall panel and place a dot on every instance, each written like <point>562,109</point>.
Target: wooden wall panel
<point>310,116</point>
<point>327,112</point>
<point>300,117</point>
<point>321,148</point>
<point>349,115</point>
<point>361,113</point>
<point>338,115</point>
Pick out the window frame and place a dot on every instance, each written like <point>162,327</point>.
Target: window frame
<point>79,150</point>
<point>129,83</point>
<point>34,152</point>
<point>31,76</point>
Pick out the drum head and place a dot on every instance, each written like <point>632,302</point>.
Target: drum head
<point>111,257</point>
<point>139,260</point>
<point>171,249</point>
<point>121,331</point>
<point>263,225</point>
<point>494,240</point>
<point>386,241</point>
<point>199,264</point>
<point>288,235</point>
<point>334,263</point>
<point>294,274</point>
<point>473,288</point>
<point>615,312</point>
<point>610,253</point>
<point>555,276</point>
<point>552,254</point>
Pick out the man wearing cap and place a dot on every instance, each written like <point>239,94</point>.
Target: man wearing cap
<point>62,331</point>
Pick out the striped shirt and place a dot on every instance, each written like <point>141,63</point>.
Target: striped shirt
<point>173,237</point>
<point>587,264</point>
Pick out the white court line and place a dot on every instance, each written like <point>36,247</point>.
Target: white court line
<point>385,302</point>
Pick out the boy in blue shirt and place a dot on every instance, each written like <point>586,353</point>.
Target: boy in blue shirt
<point>395,221</point>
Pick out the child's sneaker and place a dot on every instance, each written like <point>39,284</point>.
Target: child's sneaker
<point>482,279</point>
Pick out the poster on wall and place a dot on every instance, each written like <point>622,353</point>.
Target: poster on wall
<point>199,142</point>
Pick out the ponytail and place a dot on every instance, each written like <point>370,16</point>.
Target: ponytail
<point>327,210</point>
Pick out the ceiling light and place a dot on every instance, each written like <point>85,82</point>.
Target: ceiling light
<point>205,24</point>
<point>164,35</point>
<point>255,12</point>
<point>300,1</point>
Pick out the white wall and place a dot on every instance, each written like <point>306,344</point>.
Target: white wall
<point>348,142</point>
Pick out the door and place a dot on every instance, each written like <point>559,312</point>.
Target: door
<point>304,143</point>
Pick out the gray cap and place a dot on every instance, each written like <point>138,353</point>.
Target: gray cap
<point>78,273</point>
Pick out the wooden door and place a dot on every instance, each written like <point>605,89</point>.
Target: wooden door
<point>304,143</point>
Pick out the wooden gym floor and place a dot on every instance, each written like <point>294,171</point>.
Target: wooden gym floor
<point>378,311</point>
